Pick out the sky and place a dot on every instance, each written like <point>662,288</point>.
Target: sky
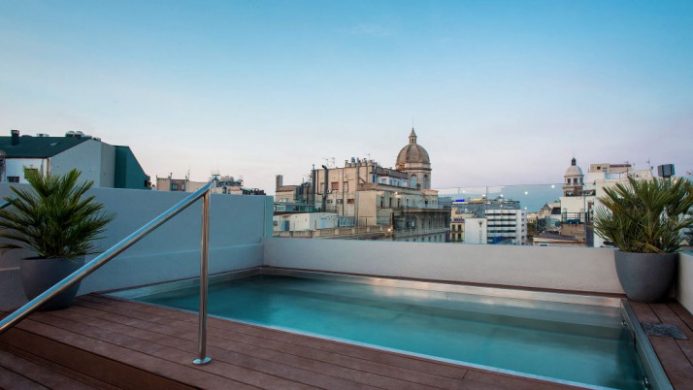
<point>500,92</point>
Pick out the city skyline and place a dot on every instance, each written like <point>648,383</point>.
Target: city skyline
<point>499,92</point>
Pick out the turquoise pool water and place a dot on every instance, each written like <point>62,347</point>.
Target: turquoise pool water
<point>568,342</point>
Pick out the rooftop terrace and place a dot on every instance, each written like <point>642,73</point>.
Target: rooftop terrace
<point>102,341</point>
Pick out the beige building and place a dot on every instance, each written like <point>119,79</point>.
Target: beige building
<point>363,193</point>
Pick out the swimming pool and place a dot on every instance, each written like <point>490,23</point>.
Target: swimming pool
<point>582,343</point>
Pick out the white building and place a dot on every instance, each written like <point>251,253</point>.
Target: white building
<point>482,221</point>
<point>475,231</point>
<point>506,226</point>
<point>581,195</point>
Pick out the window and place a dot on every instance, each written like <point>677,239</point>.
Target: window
<point>27,170</point>
<point>334,186</point>
<point>13,179</point>
<point>174,187</point>
<point>350,201</point>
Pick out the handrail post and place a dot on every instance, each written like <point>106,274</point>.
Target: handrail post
<point>204,270</point>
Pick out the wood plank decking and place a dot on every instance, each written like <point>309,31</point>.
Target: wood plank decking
<point>103,342</point>
<point>676,356</point>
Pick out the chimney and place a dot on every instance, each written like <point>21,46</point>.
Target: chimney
<point>15,137</point>
<point>325,187</point>
<point>278,181</point>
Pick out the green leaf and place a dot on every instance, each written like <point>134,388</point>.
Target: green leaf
<point>55,218</point>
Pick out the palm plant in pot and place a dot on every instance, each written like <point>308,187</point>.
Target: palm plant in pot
<point>57,222</point>
<point>644,220</point>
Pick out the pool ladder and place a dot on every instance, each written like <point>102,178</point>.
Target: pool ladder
<point>99,261</point>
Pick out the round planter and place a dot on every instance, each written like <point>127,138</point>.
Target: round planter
<point>646,277</point>
<point>39,274</point>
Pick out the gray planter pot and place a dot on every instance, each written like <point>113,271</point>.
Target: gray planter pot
<point>40,274</point>
<point>646,277</point>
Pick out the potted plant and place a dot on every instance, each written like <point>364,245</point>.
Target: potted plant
<point>57,221</point>
<point>645,220</point>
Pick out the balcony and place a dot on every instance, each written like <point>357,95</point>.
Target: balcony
<point>105,341</point>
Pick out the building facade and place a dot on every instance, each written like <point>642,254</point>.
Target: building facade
<point>106,165</point>
<point>364,193</point>
<point>482,221</point>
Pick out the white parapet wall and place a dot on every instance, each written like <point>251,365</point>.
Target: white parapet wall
<point>684,292</point>
<point>238,227</point>
<point>572,269</point>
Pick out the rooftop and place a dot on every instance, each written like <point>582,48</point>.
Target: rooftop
<point>27,146</point>
<point>105,342</point>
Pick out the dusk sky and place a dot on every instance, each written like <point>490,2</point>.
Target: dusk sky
<point>500,92</point>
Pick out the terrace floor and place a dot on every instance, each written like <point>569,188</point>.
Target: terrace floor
<point>103,342</point>
<point>675,355</point>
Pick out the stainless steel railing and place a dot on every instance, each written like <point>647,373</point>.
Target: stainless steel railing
<point>106,256</point>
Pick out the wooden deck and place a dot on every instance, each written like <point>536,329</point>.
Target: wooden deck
<point>103,342</point>
<point>676,356</point>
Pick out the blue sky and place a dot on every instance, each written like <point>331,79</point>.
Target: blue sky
<point>500,92</point>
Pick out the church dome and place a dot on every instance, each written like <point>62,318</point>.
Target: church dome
<point>412,153</point>
<point>573,169</point>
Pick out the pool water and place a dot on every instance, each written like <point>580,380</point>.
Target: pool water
<point>566,342</point>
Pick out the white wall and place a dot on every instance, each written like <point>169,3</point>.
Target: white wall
<point>238,225</point>
<point>108,165</point>
<point>574,269</point>
<point>475,231</point>
<point>684,293</point>
<point>16,166</point>
<point>85,156</point>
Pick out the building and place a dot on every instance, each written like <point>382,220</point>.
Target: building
<point>555,239</point>
<point>581,197</point>
<point>549,217</point>
<point>573,180</point>
<point>506,224</point>
<point>104,164</point>
<point>363,193</point>
<point>224,185</point>
<point>413,160</point>
<point>482,221</point>
<point>467,228</point>
<point>298,222</point>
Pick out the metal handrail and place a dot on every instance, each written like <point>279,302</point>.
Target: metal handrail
<point>106,256</point>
